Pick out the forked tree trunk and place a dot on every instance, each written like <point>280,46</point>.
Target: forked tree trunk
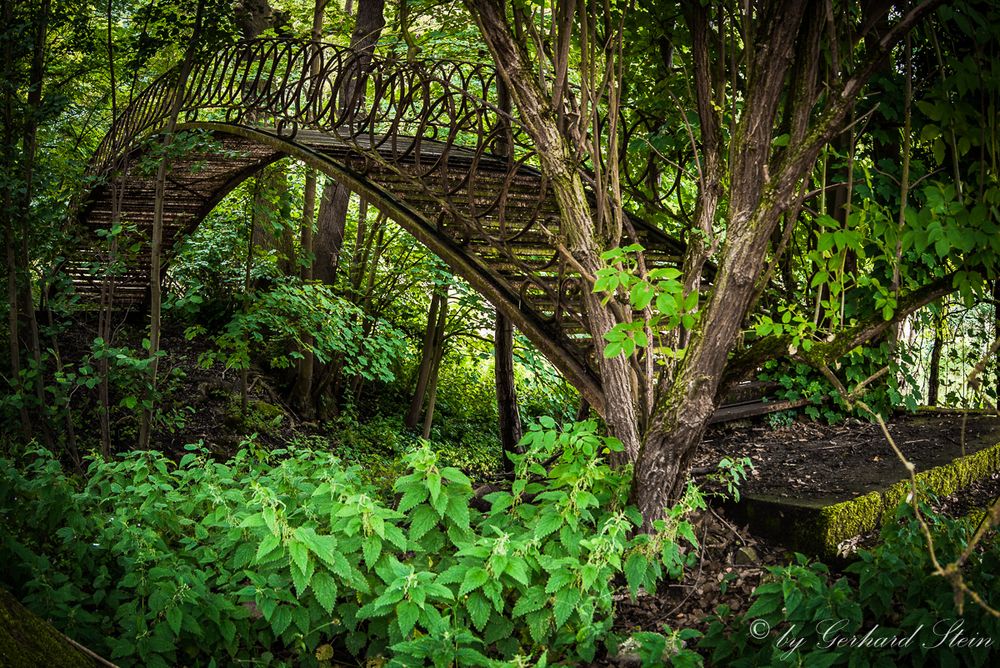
<point>436,366</point>
<point>435,316</point>
<point>760,190</point>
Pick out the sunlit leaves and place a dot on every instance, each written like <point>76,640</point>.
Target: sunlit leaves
<point>657,301</point>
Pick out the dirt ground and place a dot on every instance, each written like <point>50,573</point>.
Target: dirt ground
<point>804,459</point>
<point>809,460</point>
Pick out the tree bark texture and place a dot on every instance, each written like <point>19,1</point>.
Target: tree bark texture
<point>508,415</point>
<point>435,370</point>
<point>618,380</point>
<point>426,361</point>
<point>934,378</point>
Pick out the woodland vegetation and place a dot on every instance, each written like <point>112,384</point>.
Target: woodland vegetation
<point>312,441</point>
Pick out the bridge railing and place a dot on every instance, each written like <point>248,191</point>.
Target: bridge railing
<point>292,84</point>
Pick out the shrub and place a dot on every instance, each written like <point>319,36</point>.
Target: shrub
<point>299,561</point>
<point>889,592</point>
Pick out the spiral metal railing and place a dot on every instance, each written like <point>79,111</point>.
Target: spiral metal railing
<point>431,141</point>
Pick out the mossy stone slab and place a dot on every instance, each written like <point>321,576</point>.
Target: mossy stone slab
<point>819,526</point>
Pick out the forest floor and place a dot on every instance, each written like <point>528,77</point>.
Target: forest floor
<point>816,461</point>
<point>855,459</point>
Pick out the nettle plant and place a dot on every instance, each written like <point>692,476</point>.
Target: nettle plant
<point>300,561</point>
<point>660,288</point>
<point>293,318</point>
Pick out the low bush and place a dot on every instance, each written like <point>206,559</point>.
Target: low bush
<point>889,610</point>
<point>293,559</point>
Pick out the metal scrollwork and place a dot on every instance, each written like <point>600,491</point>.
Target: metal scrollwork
<point>440,132</point>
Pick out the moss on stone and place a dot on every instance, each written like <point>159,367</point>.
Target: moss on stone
<point>819,528</point>
<point>260,415</point>
<point>27,641</point>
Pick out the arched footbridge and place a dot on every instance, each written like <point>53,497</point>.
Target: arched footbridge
<point>431,144</point>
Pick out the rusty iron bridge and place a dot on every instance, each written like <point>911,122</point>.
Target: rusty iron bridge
<point>432,144</point>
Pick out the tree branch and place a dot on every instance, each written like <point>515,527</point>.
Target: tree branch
<point>745,363</point>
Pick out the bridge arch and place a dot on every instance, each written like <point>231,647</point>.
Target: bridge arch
<point>446,164</point>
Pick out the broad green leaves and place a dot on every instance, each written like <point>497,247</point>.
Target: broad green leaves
<point>658,301</point>
<point>247,557</point>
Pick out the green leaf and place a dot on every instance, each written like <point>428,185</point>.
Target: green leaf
<point>434,485</point>
<point>666,303</point>
<point>413,496</point>
<point>686,531</point>
<point>325,589</point>
<point>423,520</point>
<point>299,554</point>
<point>174,618</point>
<point>479,610</point>
<point>517,570</point>
<point>942,247</point>
<point>456,476</point>
<point>407,613</point>
<point>560,579</point>
<point>938,149</point>
<point>281,619</point>
<point>635,571</point>
<point>300,580</point>
<point>267,546</point>
<point>565,604</point>
<point>641,295</point>
<point>321,546</point>
<point>475,578</point>
<point>547,524</point>
<point>530,602</point>
<point>371,548</point>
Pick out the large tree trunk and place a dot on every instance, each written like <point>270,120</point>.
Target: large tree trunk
<point>682,415</point>
<point>508,415</point>
<point>329,238</point>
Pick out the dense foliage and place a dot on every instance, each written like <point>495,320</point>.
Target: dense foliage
<point>888,610</point>
<point>342,383</point>
<point>300,561</point>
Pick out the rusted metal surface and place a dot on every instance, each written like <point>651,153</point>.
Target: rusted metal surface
<point>428,142</point>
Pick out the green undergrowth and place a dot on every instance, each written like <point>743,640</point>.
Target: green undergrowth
<point>887,609</point>
<point>293,559</point>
